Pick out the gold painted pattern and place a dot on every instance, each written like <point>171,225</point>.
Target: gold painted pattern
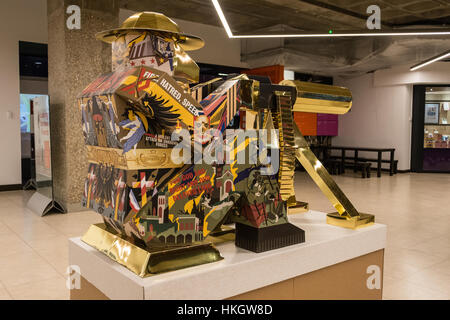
<point>154,158</point>
<point>328,99</point>
<point>144,262</point>
<point>283,120</point>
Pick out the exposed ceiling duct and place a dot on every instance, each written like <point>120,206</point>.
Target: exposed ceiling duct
<point>343,57</point>
<point>326,56</point>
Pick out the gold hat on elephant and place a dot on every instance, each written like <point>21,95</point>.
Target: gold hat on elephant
<point>156,22</point>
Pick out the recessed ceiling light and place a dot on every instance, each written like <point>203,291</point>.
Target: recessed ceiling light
<point>430,61</point>
<point>330,33</point>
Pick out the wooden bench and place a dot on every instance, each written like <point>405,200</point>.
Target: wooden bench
<point>334,166</point>
<point>363,166</point>
<point>383,161</point>
<point>368,160</point>
<point>355,150</point>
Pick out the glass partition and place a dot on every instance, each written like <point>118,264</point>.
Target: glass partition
<point>27,140</point>
<point>436,153</point>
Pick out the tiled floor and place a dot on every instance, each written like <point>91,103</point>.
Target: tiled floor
<point>415,207</point>
<point>33,254</point>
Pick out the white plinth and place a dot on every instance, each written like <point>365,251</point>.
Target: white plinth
<point>240,271</point>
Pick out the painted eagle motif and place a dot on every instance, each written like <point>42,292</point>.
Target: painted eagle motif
<point>159,115</point>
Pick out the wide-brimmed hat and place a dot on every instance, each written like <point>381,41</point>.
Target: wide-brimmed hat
<point>153,21</point>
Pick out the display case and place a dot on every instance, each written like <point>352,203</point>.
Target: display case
<point>436,154</point>
<point>432,119</point>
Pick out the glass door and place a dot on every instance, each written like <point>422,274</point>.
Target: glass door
<point>436,147</point>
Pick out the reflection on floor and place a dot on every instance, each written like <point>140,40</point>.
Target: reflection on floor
<point>415,207</point>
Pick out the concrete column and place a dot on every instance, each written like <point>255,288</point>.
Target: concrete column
<point>75,58</point>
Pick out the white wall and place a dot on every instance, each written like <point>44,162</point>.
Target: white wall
<point>437,73</point>
<point>382,108</point>
<point>19,20</point>
<point>218,49</point>
<point>380,117</point>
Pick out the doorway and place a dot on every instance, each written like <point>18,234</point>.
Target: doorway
<point>33,68</point>
<point>430,149</point>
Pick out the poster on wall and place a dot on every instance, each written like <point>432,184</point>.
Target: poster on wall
<point>431,113</point>
<point>42,139</point>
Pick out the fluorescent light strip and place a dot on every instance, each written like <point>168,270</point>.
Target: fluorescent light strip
<point>222,18</point>
<point>321,35</point>
<point>430,61</point>
<point>331,35</point>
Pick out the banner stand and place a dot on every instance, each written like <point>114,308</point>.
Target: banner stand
<point>31,184</point>
<point>41,204</point>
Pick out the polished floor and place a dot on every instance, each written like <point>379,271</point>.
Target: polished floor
<point>415,207</point>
